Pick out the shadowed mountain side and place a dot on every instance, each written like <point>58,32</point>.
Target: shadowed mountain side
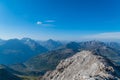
<point>18,51</point>
<point>6,74</point>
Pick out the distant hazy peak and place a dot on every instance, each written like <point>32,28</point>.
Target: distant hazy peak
<point>50,40</point>
<point>26,39</point>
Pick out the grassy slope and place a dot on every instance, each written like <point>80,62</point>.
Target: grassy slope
<point>28,78</point>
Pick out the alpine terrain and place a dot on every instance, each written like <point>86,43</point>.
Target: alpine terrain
<point>85,65</point>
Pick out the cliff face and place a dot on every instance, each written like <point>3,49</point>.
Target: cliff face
<point>84,65</point>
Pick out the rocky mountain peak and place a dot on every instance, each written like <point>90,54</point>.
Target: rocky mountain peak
<point>85,65</point>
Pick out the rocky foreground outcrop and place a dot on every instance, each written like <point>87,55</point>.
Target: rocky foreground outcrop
<point>85,65</point>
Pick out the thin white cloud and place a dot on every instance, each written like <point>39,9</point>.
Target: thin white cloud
<point>50,21</point>
<point>46,23</point>
<point>107,36</point>
<point>39,22</point>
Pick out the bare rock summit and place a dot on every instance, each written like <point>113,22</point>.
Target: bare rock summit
<point>85,65</point>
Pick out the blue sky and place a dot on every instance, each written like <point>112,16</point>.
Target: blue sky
<point>60,19</point>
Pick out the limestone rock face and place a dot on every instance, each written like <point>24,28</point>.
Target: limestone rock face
<point>85,65</point>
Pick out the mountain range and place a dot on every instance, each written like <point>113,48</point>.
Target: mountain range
<point>27,57</point>
<point>14,51</point>
<point>49,60</point>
